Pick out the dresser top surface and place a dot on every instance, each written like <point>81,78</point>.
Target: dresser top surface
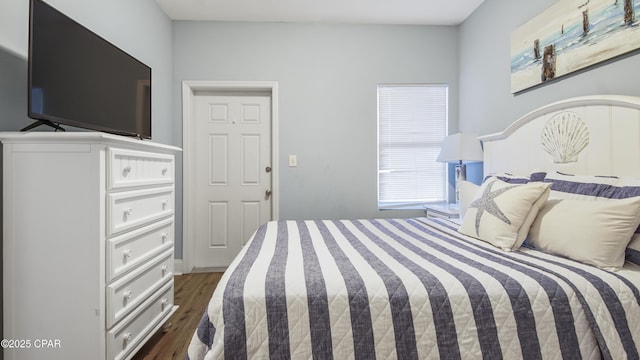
<point>80,137</point>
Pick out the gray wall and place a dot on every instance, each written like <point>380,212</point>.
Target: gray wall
<point>327,77</point>
<point>486,102</point>
<point>13,91</point>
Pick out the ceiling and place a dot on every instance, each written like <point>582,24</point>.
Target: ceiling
<point>403,12</point>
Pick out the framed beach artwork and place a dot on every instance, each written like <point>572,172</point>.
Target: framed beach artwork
<point>572,35</point>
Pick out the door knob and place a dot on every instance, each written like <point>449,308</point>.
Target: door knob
<point>268,169</point>
<point>267,194</point>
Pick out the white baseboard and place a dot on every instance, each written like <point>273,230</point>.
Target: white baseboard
<point>179,270</point>
<point>177,266</point>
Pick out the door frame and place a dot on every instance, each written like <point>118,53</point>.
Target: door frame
<point>189,89</point>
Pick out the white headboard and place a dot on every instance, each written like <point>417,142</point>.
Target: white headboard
<point>592,135</point>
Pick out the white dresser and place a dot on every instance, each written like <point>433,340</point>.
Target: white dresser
<point>88,229</point>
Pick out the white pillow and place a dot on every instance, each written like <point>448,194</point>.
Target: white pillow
<point>626,188</point>
<point>601,188</point>
<point>592,232</point>
<point>468,191</point>
<point>501,213</point>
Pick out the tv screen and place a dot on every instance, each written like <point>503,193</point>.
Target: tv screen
<point>79,79</point>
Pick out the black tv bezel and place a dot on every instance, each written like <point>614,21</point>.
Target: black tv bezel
<point>47,118</point>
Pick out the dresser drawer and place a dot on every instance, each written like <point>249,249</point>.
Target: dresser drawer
<point>140,324</point>
<point>128,292</point>
<point>136,168</point>
<point>135,247</point>
<point>131,209</point>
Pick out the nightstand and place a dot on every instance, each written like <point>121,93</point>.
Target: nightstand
<point>442,210</point>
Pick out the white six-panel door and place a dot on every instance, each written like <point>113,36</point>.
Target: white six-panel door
<point>232,136</point>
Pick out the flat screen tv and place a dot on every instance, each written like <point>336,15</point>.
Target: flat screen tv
<point>79,79</point>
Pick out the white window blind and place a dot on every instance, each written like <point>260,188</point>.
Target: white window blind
<point>412,123</point>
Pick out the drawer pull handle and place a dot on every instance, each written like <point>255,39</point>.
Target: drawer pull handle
<point>128,253</point>
<point>126,338</point>
<point>164,237</point>
<point>127,213</point>
<point>127,295</point>
<point>164,171</point>
<point>164,303</point>
<point>126,170</point>
<point>165,203</point>
<point>164,269</point>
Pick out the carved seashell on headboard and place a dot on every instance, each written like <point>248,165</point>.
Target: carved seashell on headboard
<point>564,136</point>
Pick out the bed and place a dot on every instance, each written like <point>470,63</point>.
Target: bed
<point>500,283</point>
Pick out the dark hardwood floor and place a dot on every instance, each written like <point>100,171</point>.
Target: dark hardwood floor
<point>192,293</point>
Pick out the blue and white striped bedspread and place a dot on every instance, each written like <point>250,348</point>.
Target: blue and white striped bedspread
<point>411,289</point>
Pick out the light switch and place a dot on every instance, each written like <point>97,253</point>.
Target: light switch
<point>293,161</point>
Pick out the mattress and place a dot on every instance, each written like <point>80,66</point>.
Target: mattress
<point>412,289</point>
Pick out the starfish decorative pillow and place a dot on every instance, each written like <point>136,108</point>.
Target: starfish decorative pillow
<point>502,213</point>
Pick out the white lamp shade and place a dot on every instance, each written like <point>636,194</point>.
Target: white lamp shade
<point>461,147</point>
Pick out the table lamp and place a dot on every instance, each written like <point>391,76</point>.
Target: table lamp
<point>460,148</point>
